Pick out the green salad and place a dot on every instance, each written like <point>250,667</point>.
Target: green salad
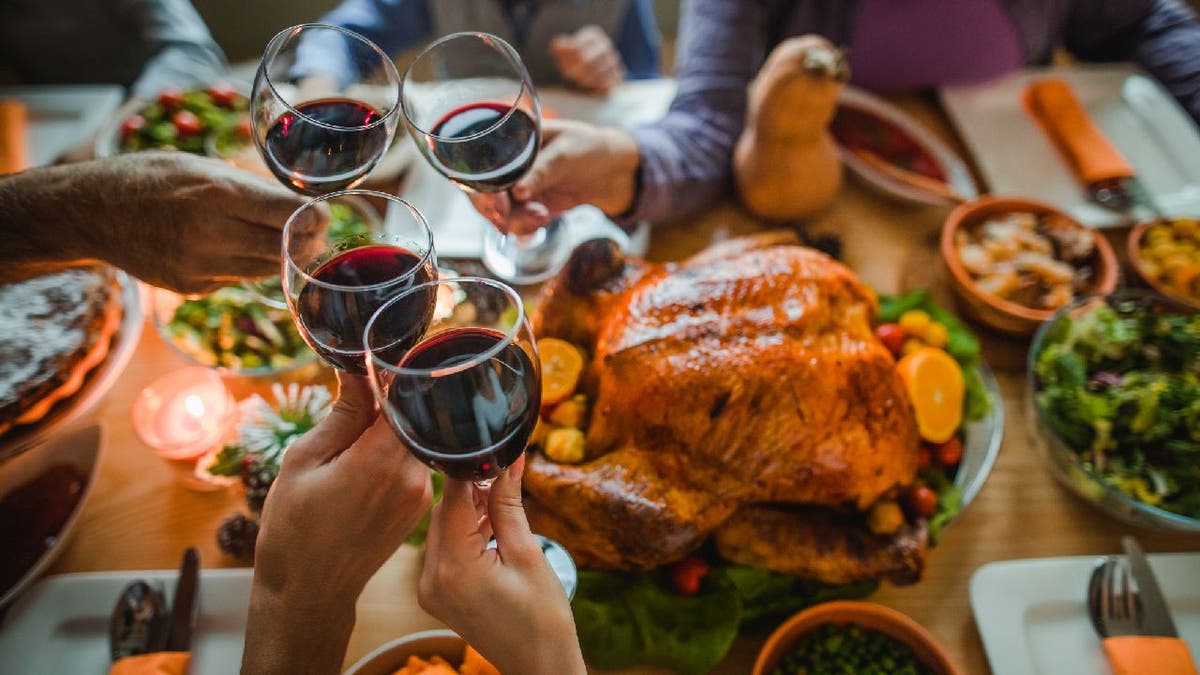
<point>231,329</point>
<point>187,120</point>
<point>1119,385</point>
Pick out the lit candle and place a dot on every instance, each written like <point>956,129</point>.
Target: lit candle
<point>184,414</point>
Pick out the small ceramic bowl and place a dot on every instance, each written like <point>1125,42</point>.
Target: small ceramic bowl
<point>865,614</point>
<point>1134,248</point>
<point>391,656</point>
<point>1003,315</point>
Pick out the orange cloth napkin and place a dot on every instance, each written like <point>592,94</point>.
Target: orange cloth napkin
<point>154,663</point>
<point>1149,655</point>
<point>13,119</point>
<point>1093,158</point>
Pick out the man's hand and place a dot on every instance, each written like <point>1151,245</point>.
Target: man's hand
<point>187,223</point>
<point>579,163</point>
<point>347,495</point>
<point>588,59</point>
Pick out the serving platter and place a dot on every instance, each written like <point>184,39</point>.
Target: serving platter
<point>95,385</point>
<point>1033,617</point>
<point>61,624</point>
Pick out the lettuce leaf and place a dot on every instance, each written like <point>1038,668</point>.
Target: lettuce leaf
<point>770,596</point>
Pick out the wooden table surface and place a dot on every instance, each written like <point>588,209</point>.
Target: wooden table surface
<point>141,517</point>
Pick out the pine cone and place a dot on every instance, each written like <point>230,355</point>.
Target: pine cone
<point>258,479</point>
<point>237,537</point>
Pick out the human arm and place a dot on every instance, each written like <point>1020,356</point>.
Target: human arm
<point>184,54</point>
<point>347,495</point>
<point>1163,36</point>
<point>393,25</point>
<point>505,601</point>
<point>172,219</point>
<point>588,59</point>
<point>638,41</point>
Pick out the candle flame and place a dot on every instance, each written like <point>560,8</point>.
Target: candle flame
<point>194,405</point>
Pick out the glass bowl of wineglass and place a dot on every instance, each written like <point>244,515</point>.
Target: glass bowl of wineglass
<point>334,284</point>
<point>472,111</point>
<point>462,390</point>
<point>319,133</point>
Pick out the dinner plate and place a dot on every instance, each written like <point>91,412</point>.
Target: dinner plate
<point>95,385</point>
<point>61,117</point>
<point>981,444</point>
<point>80,450</point>
<point>957,174</point>
<point>1137,115</point>
<point>1032,614</point>
<point>61,624</point>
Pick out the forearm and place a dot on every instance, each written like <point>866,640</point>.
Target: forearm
<point>42,223</point>
<point>288,638</point>
<point>185,54</point>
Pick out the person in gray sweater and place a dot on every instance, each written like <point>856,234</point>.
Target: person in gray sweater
<point>682,163</point>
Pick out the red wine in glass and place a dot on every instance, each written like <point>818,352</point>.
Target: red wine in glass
<point>333,144</point>
<point>469,422</point>
<point>334,309</point>
<point>485,146</point>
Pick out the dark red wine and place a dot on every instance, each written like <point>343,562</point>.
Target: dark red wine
<point>332,319</point>
<point>489,162</point>
<point>331,154</point>
<point>472,423</point>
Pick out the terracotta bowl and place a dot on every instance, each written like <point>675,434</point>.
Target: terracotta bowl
<point>1005,316</point>
<point>865,614</point>
<point>391,656</point>
<point>1134,248</point>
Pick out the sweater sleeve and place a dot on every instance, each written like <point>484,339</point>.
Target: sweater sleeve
<point>1163,36</point>
<point>184,53</point>
<point>686,157</point>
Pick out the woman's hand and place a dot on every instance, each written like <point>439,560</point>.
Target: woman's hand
<point>578,163</point>
<point>505,601</point>
<point>588,59</point>
<point>347,496</point>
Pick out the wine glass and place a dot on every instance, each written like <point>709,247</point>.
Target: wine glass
<point>470,106</point>
<point>464,390</point>
<point>317,133</point>
<point>333,284</point>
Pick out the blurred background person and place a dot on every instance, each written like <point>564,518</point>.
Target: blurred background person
<point>590,44</point>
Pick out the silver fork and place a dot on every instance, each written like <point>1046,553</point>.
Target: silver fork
<point>1112,602</point>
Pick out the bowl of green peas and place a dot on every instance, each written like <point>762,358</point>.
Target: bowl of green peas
<point>852,637</point>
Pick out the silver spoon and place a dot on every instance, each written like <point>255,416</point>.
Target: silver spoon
<point>139,621</point>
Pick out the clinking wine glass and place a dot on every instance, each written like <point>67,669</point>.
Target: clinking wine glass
<point>463,391</point>
<point>470,106</point>
<point>333,285</point>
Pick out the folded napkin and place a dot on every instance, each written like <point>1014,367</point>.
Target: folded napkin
<point>1149,655</point>
<point>154,663</point>
<point>13,119</point>
<point>1093,158</point>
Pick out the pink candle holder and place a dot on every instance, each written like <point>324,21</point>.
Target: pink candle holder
<point>184,414</point>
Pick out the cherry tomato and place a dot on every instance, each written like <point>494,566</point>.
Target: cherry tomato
<point>949,453</point>
<point>243,128</point>
<point>132,125</point>
<point>688,574</point>
<point>922,501</point>
<point>186,123</point>
<point>222,95</point>
<point>892,337</point>
<point>170,98</point>
<point>924,457</point>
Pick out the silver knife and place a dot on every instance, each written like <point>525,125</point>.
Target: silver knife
<point>1156,617</point>
<point>183,606</point>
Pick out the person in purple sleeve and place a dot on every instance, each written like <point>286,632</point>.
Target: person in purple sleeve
<point>591,44</point>
<point>682,163</point>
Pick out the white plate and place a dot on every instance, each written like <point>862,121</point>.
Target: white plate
<point>61,624</point>
<point>80,450</point>
<point>1032,614</point>
<point>61,117</point>
<point>957,174</point>
<point>458,228</point>
<point>95,385</point>
<point>1139,117</point>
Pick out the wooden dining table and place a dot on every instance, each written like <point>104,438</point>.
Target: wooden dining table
<point>141,515</point>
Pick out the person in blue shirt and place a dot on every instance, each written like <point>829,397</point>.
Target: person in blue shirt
<point>590,44</point>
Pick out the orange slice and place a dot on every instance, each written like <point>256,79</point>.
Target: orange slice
<point>562,364</point>
<point>935,387</point>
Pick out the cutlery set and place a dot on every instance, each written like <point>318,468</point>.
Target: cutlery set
<point>142,628</point>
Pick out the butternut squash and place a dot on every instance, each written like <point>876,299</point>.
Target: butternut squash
<point>785,163</point>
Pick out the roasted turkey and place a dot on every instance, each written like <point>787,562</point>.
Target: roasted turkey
<point>739,395</point>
